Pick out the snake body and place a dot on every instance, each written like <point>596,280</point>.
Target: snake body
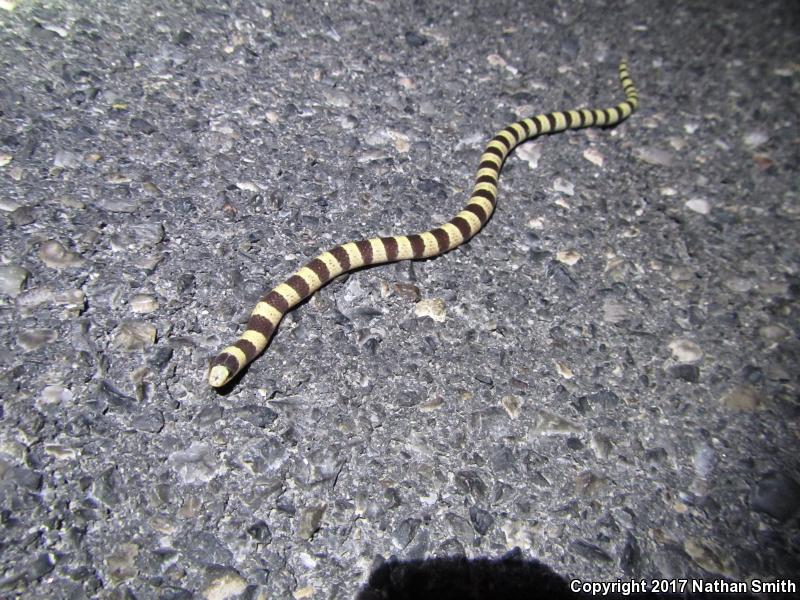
<point>271,307</point>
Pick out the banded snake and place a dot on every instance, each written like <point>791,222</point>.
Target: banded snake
<point>273,305</point>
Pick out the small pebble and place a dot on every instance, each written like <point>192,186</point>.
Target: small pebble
<point>600,445</point>
<point>568,257</point>
<point>565,187</point>
<point>698,205</point>
<point>415,40</point>
<point>401,141</point>
<point>73,300</point>
<point>685,351</point>
<point>248,186</point>
<point>60,452</point>
<point>753,139</point>
<point>481,520</point>
<point>7,205</point>
<point>519,533</point>
<point>431,307</point>
<point>547,422</point>
<point>225,586</point>
<point>12,278</point>
<point>53,254</point>
<point>303,592</point>
<point>496,60</point>
<point>196,464</point>
<point>655,156</point>
<point>148,234</point>
<point>55,394</point>
<point>66,159</point>
<point>677,143</point>
<point>151,422</point>
<point>133,336</point>
<point>594,157</point>
<point>562,202</point>
<point>406,530</point>
<point>564,370</point>
<point>704,460</point>
<point>348,122</point>
<point>260,532</point>
<point>57,29</point>
<point>406,82</point>
<point>773,333</point>
<point>409,291</point>
<point>378,137</point>
<point>24,215</point>
<point>432,404</point>
<point>141,125</point>
<point>143,304</point>
<point>309,522</point>
<point>512,405</point>
<point>536,223</point>
<point>530,153</point>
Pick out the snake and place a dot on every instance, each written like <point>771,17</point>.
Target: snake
<point>273,305</point>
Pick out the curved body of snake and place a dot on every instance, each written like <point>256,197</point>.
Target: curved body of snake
<point>273,305</point>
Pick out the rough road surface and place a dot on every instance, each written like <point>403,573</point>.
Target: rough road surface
<point>601,386</point>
